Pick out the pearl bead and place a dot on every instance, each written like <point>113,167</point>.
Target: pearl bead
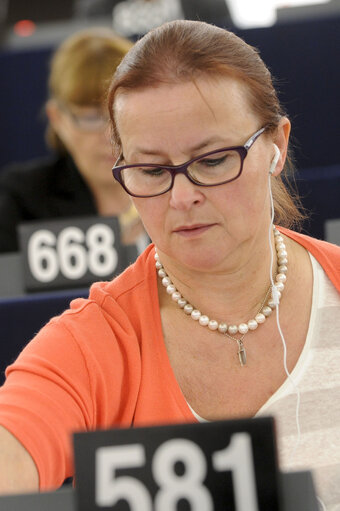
<point>162,273</point>
<point>156,256</point>
<point>252,324</point>
<point>283,268</point>
<point>176,295</point>
<point>232,329</point>
<point>281,277</point>
<point>188,308</point>
<point>158,265</point>
<point>170,289</point>
<point>203,320</point>
<point>166,281</point>
<point>222,327</point>
<point>280,286</point>
<point>279,238</point>
<point>266,310</point>
<point>196,314</point>
<point>271,303</point>
<point>243,328</point>
<point>182,302</point>
<point>260,318</point>
<point>282,253</point>
<point>280,246</point>
<point>283,260</point>
<point>213,324</point>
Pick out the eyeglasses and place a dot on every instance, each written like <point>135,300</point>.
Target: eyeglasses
<point>210,169</point>
<point>91,120</point>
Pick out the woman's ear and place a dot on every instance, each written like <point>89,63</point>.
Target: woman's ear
<point>281,141</point>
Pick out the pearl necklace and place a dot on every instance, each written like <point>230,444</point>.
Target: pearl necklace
<point>230,330</point>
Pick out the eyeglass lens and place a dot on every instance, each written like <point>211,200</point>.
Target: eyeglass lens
<point>214,169</point>
<point>90,122</point>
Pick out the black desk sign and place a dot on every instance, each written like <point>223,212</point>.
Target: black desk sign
<point>223,465</point>
<point>71,252</point>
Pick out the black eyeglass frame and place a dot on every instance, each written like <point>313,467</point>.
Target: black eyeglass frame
<point>183,168</point>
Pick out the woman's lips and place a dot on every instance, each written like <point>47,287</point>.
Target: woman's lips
<point>192,231</point>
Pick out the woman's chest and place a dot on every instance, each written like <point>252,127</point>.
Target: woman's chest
<point>207,366</point>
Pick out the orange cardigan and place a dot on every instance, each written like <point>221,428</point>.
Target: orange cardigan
<point>100,364</point>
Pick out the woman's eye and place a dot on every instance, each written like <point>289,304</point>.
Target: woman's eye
<point>213,161</point>
<point>153,171</point>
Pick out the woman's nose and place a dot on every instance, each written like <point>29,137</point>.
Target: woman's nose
<point>184,193</point>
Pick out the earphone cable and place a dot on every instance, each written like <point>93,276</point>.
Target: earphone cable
<point>295,387</point>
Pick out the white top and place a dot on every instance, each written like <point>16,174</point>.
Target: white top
<point>317,378</point>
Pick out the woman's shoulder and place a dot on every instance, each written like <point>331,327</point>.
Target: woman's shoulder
<point>113,311</point>
<point>35,170</point>
<point>111,318</point>
<point>327,254</point>
<point>133,280</point>
<point>39,185</point>
<point>129,294</point>
<point>313,244</point>
<point>35,180</point>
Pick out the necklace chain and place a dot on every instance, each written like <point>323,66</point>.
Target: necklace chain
<point>266,308</point>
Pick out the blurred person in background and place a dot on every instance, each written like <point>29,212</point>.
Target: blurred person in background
<point>77,179</point>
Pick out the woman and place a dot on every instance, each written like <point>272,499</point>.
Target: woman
<point>77,179</point>
<point>201,135</point>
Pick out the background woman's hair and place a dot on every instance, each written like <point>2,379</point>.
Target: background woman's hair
<point>181,51</point>
<point>81,70</point>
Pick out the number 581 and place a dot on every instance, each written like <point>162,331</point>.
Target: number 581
<point>236,457</point>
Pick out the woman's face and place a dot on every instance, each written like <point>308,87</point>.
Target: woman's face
<point>84,132</point>
<point>198,227</point>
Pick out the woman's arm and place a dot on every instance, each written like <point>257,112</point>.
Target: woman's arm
<point>18,473</point>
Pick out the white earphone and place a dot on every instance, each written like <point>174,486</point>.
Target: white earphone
<point>275,159</point>
<point>276,298</point>
<point>271,170</point>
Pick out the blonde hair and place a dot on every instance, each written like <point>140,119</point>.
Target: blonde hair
<point>184,50</point>
<point>81,70</point>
